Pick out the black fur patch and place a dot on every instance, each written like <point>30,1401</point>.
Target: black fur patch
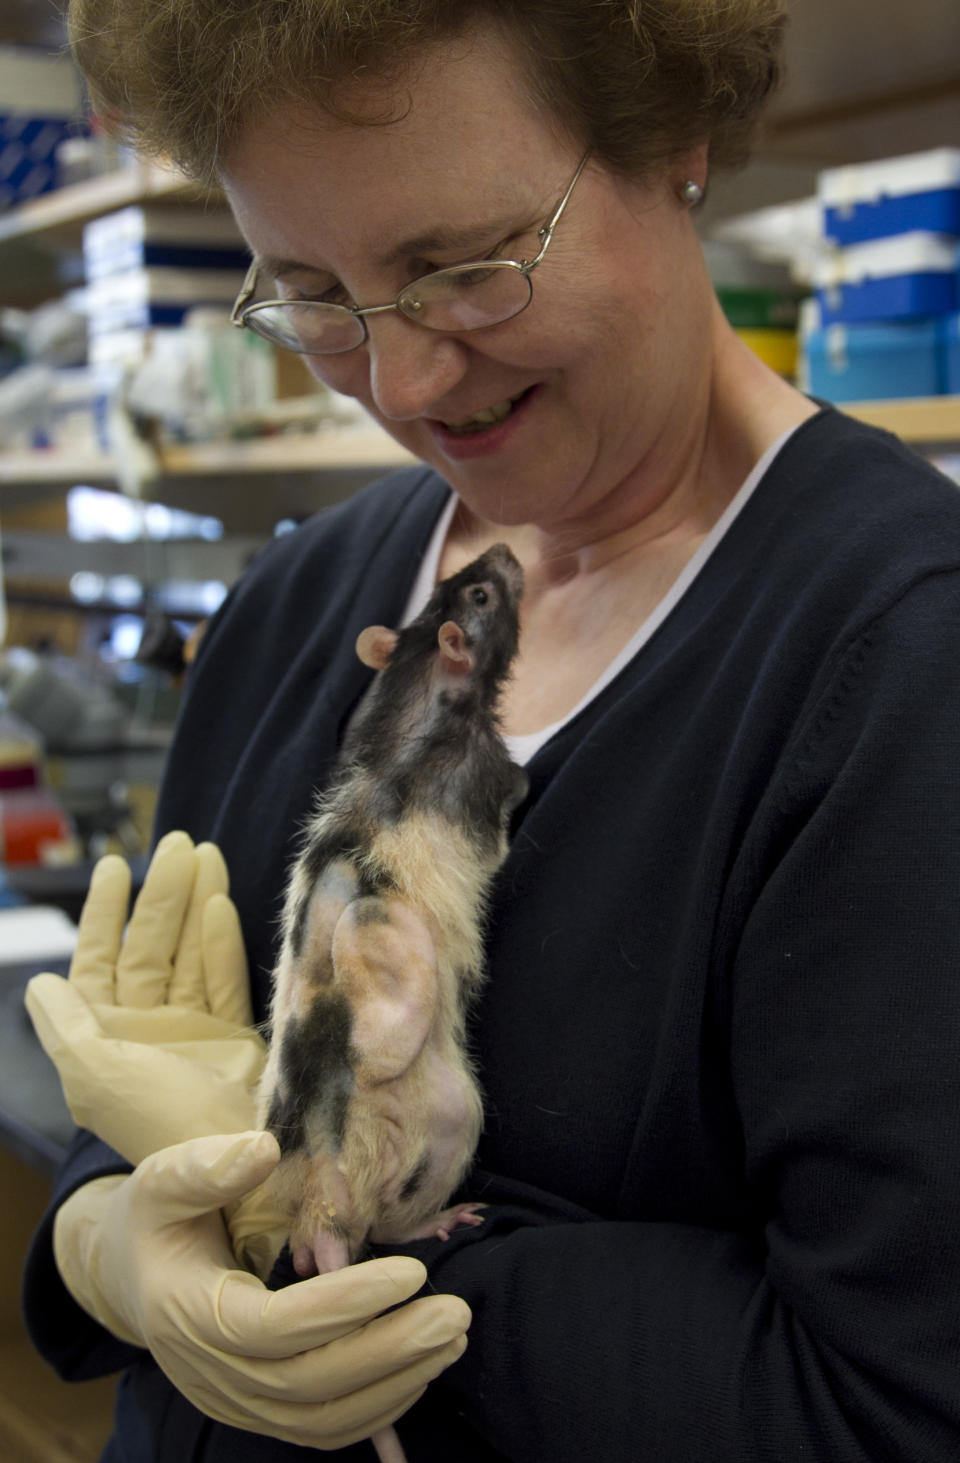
<point>370,911</point>
<point>316,1069</point>
<point>344,842</point>
<point>415,1181</point>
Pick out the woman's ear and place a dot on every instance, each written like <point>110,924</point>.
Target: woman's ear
<point>692,168</point>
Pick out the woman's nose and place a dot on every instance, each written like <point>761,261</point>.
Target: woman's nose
<point>410,367</point>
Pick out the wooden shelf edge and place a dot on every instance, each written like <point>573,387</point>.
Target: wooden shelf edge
<point>47,467</point>
<point>331,451</point>
<point>79,202</point>
<point>922,421</point>
<point>930,421</point>
<point>323,451</point>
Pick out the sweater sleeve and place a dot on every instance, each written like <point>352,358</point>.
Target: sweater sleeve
<point>827,1326</point>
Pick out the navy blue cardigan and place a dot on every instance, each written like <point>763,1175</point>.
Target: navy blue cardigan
<point>720,1042</point>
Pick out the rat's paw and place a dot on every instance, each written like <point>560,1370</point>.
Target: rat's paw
<point>439,1226</point>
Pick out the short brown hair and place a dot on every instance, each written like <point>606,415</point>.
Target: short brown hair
<point>637,81</point>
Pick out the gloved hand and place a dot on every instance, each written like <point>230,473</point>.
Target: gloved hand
<point>151,1033</point>
<point>143,1020</point>
<point>316,1364</point>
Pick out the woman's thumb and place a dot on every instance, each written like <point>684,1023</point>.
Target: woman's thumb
<point>192,1178</point>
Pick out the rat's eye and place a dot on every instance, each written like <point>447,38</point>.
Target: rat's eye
<point>478,595</point>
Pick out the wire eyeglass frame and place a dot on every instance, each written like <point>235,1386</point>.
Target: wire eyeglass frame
<point>244,314</point>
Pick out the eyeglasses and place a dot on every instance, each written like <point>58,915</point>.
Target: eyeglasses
<point>461,297</point>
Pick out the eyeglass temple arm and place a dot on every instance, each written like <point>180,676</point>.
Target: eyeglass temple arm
<point>546,232</point>
<point>247,291</point>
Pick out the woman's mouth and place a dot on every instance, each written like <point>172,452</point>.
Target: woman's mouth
<point>486,430</point>
<point>487,417</point>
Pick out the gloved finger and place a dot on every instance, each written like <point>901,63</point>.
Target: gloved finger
<point>374,1425</point>
<point>187,986</point>
<point>335,1423</point>
<point>377,1424</point>
<point>327,1426</point>
<point>100,930</point>
<point>258,1228</point>
<point>62,1019</point>
<point>282,1323</point>
<point>225,970</point>
<point>414,1335</point>
<point>360,1412</point>
<point>202,1174</point>
<point>145,965</point>
<point>179,1029</point>
<point>258,1250</point>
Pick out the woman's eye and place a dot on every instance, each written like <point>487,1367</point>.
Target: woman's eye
<point>334,295</point>
<point>474,276</point>
<point>474,263</point>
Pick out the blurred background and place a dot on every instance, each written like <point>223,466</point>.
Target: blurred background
<point>148,450</point>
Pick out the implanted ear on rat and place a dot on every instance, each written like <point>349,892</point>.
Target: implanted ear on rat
<point>375,645</point>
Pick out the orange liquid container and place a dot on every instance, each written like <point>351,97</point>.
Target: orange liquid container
<point>31,823</point>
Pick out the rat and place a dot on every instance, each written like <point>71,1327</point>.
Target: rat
<point>369,1088</point>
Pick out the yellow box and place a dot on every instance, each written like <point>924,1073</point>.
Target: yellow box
<point>776,348</point>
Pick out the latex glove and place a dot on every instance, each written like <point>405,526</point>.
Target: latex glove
<point>151,1033</point>
<point>315,1364</point>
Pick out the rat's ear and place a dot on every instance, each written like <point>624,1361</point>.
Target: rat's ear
<point>375,645</point>
<point>454,652</point>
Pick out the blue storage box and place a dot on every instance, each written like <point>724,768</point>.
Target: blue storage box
<point>895,196</point>
<point>28,156</point>
<point>145,238</point>
<point>875,362</point>
<point>950,350</point>
<point>41,107</point>
<point>903,278</point>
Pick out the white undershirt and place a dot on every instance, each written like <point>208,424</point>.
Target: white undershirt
<point>522,748</point>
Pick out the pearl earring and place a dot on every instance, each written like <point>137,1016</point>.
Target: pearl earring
<point>691,192</point>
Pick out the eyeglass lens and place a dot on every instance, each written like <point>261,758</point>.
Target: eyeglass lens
<point>465,297</point>
<point>311,328</point>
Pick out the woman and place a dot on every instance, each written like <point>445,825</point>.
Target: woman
<point>718,1043</point>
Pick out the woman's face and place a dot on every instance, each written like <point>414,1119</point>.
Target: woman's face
<point>601,369</point>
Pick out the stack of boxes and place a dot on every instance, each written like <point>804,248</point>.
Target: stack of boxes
<point>885,322</point>
<point>146,268</point>
<point>160,283</point>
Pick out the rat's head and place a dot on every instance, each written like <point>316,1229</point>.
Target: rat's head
<point>428,726</point>
<point>469,630</point>
<point>475,616</point>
